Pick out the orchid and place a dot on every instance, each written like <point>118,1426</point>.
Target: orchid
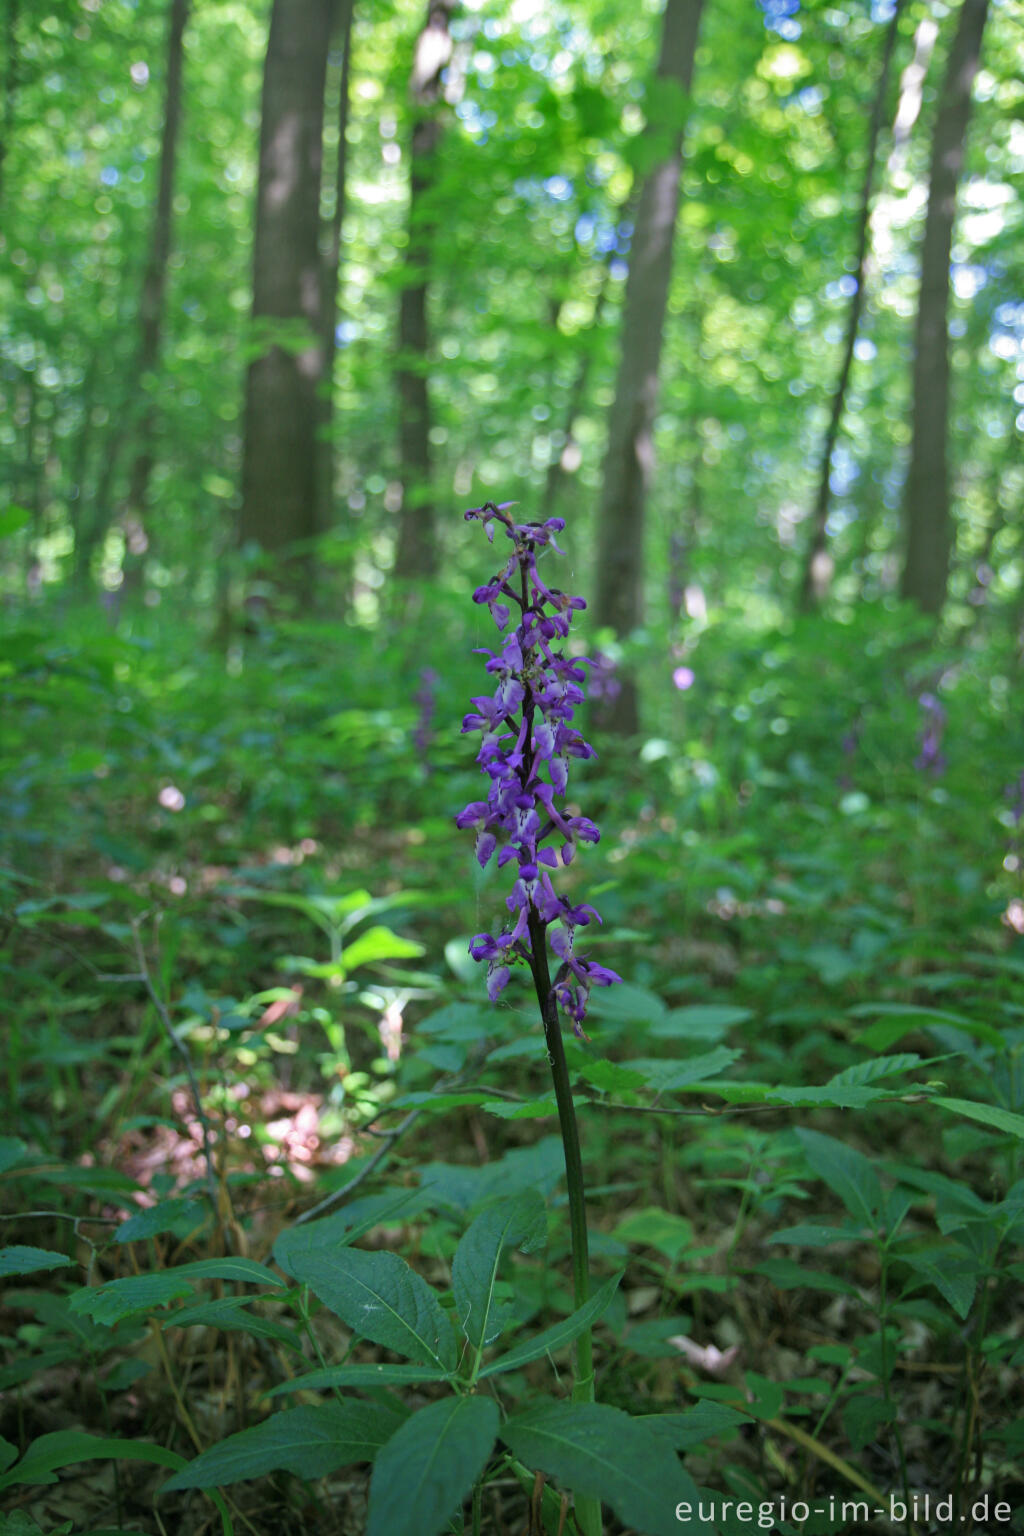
<point>527,742</point>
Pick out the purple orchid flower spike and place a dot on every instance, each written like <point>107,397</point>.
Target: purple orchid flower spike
<point>527,742</point>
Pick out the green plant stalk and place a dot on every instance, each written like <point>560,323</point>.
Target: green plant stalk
<point>588,1510</point>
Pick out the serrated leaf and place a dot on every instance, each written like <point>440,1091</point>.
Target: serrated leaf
<point>118,1299</point>
<point>610,1076</point>
<point>700,1423</point>
<point>180,1216</point>
<point>22,1260</point>
<point>628,1005</point>
<point>429,1466</point>
<point>557,1336</point>
<point>602,1453</point>
<point>670,1076</point>
<point>847,1172</point>
<point>230,1313</point>
<point>381,1298</point>
<point>307,1441</point>
<point>521,1222</point>
<point>863,1416</point>
<point>874,1067</point>
<point>986,1114</point>
<point>954,1277</point>
<point>838,1096</point>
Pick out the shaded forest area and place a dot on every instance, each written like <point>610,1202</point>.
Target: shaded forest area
<point>512,767</point>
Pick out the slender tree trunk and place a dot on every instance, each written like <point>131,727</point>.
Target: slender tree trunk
<point>416,553</point>
<point>817,572</point>
<point>331,276</point>
<point>629,460</point>
<point>927,511</point>
<point>9,85</point>
<point>154,282</point>
<point>279,457</point>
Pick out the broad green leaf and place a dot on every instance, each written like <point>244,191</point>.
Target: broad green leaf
<point>331,1376</point>
<point>899,1019</point>
<point>810,1235</point>
<point>986,1114</point>
<point>558,1335</point>
<point>540,1167</point>
<point>231,1314</point>
<point>179,1216</point>
<point>117,1299</point>
<point>789,1276</point>
<point>847,1172</point>
<point>380,1298</point>
<point>346,1226</point>
<point>609,1076</point>
<point>20,1260</point>
<point>521,1222</point>
<point>670,1076</point>
<point>429,1466</point>
<point>12,518</point>
<point>863,1417</point>
<point>696,1425</point>
<point>629,1005</point>
<point>11,1152</point>
<point>874,1067</point>
<point>308,1441</point>
<point>532,1109</point>
<point>8,1453</point>
<point>655,1228</point>
<point>701,1021</point>
<point>954,1276</point>
<point>830,1096</point>
<point>603,1453</point>
<point>379,944</point>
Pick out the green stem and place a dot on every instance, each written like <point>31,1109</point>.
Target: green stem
<point>588,1510</point>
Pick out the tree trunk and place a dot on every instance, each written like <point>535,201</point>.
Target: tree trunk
<point>927,510</point>
<point>629,459</point>
<point>331,276</point>
<point>279,458</point>
<point>154,282</point>
<point>416,553</point>
<point>817,572</point>
<point>9,87</point>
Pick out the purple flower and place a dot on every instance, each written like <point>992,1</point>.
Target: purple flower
<point>931,758</point>
<point>527,741</point>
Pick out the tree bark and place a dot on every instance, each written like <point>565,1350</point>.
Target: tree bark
<point>331,276</point>
<point>817,572</point>
<point>416,553</point>
<point>629,459</point>
<point>927,512</point>
<point>154,282</point>
<point>279,459</point>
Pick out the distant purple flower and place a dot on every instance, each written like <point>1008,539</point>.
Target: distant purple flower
<point>425,697</point>
<point>1015,795</point>
<point>684,678</point>
<point>931,758</point>
<point>527,741</point>
<point>603,683</point>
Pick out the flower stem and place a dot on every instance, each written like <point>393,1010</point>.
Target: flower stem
<point>588,1510</point>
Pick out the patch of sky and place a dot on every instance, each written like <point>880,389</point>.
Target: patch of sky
<point>967,280</point>
<point>780,16</point>
<point>811,99</point>
<point>346,332</point>
<point>558,187</point>
<point>110,176</point>
<point>864,350</point>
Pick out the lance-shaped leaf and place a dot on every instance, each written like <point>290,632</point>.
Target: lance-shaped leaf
<point>604,1454</point>
<point>20,1260</point>
<point>368,1375</point>
<point>428,1467</point>
<point>380,1298</point>
<point>510,1224</point>
<point>141,1293</point>
<point>558,1335</point>
<point>310,1442</point>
